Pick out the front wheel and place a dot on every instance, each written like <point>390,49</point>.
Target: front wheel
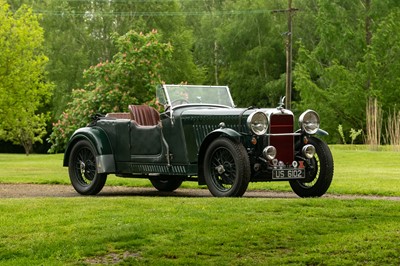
<point>319,172</point>
<point>226,168</point>
<point>83,169</point>
<point>166,184</point>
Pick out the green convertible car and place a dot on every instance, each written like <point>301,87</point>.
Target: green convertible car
<point>201,137</point>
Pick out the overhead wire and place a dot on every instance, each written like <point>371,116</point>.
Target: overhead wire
<point>110,3</point>
<point>148,14</point>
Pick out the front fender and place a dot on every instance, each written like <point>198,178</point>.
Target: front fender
<point>320,132</point>
<point>228,132</point>
<point>99,139</point>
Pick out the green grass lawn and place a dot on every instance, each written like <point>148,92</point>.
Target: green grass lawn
<point>199,231</point>
<point>205,231</point>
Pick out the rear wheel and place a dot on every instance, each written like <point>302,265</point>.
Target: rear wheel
<point>166,184</point>
<point>319,172</point>
<point>226,168</point>
<point>83,169</point>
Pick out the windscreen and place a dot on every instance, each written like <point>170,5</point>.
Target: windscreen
<point>187,94</point>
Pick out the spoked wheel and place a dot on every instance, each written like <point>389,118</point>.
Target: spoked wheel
<point>319,172</point>
<point>166,184</point>
<point>226,168</point>
<point>83,169</point>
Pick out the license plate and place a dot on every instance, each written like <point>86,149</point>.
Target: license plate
<point>288,173</point>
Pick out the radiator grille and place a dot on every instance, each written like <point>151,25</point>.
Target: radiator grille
<point>282,123</point>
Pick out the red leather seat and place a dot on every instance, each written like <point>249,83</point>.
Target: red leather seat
<point>144,115</point>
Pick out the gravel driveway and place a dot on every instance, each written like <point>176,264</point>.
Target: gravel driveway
<point>35,191</point>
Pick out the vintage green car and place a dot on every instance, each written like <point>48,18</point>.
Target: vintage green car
<point>201,136</point>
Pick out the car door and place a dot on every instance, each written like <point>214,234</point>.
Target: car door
<point>147,144</point>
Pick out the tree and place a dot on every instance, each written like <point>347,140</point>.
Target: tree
<point>253,49</point>
<point>328,72</point>
<point>382,61</point>
<point>240,43</point>
<point>205,24</point>
<point>78,34</point>
<point>351,59</point>
<point>23,84</point>
<point>129,78</point>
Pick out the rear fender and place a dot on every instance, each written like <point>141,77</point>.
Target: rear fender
<point>98,138</point>
<point>226,132</point>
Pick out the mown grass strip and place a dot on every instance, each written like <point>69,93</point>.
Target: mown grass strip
<point>357,171</point>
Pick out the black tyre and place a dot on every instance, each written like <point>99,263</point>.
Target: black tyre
<point>166,184</point>
<point>226,168</point>
<point>319,172</point>
<point>83,169</point>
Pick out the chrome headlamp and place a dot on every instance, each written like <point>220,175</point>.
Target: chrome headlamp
<point>269,153</point>
<point>309,122</point>
<point>308,151</point>
<point>258,123</point>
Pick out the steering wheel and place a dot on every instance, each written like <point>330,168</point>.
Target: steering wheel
<point>179,101</point>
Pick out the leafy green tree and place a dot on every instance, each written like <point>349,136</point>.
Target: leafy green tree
<point>69,47</point>
<point>253,49</point>
<point>240,43</point>
<point>23,84</point>
<point>328,74</point>
<point>205,22</point>
<point>78,34</point>
<point>382,61</point>
<point>351,57</point>
<point>68,44</point>
<point>129,78</point>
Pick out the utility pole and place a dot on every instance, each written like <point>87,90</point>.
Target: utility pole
<point>290,11</point>
<point>368,33</point>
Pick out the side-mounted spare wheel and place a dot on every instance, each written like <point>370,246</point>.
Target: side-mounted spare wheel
<point>226,168</point>
<point>82,169</point>
<point>319,172</point>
